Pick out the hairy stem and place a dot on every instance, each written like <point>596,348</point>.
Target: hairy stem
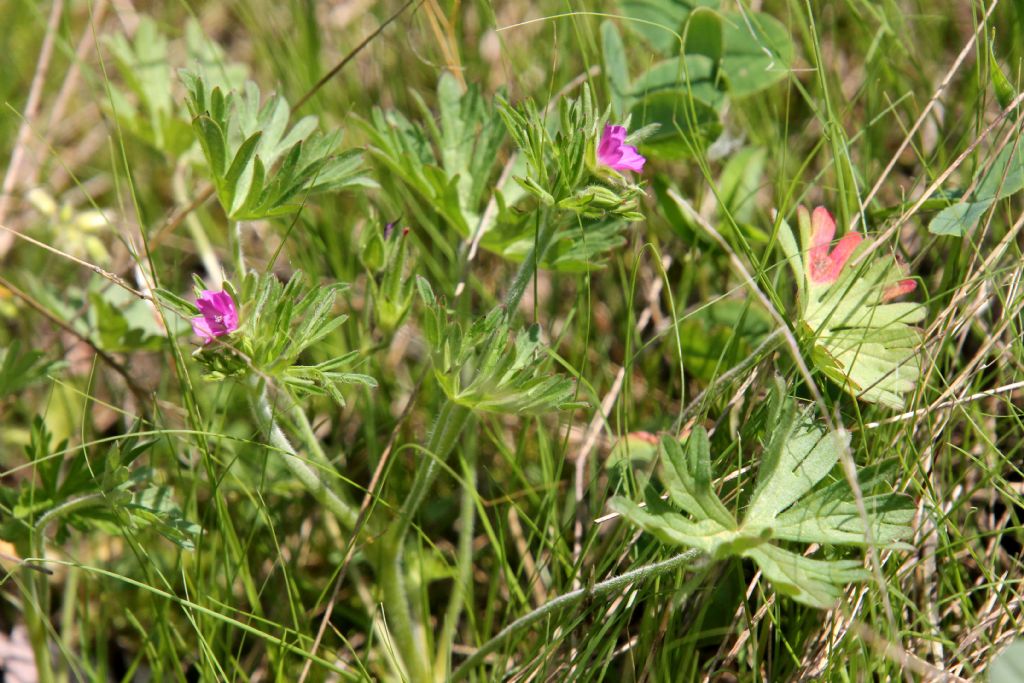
<point>464,566</point>
<point>409,636</point>
<point>571,599</point>
<point>344,511</point>
<point>545,232</point>
<point>37,594</point>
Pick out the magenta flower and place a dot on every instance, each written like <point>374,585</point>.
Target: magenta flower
<point>824,267</point>
<point>615,153</point>
<point>219,315</point>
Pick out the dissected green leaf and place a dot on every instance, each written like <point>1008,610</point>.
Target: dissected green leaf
<point>859,338</point>
<point>789,503</point>
<point>259,167</point>
<point>798,456</point>
<point>279,322</point>
<point>19,370</point>
<point>829,515</point>
<point>487,368</point>
<point>817,583</point>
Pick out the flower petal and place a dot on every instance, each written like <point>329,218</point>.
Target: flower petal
<point>202,329</point>
<point>630,160</point>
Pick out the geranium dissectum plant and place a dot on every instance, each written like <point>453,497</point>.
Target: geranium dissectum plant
<point>859,339</point>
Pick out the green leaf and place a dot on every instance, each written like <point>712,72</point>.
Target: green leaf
<point>692,74</point>
<point>959,219</point>
<point>686,125</point>
<point>122,323</point>
<point>616,66</point>
<point>1005,176</point>
<point>241,164</point>
<point>703,29</point>
<point>798,457</point>
<point>757,52</point>
<point>830,515</point>
<point>1008,665</point>
<point>243,141</point>
<point>487,368</point>
<point>155,506</point>
<point>214,144</point>
<point>794,257</point>
<point>739,182</point>
<point>789,504</point>
<point>721,335</point>
<point>816,583</point>
<point>672,528</point>
<point>688,478</point>
<point>19,370</point>
<point>660,22</point>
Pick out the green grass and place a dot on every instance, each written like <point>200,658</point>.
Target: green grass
<point>659,334</point>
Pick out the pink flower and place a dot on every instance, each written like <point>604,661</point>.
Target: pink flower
<point>824,267</point>
<point>219,315</point>
<point>614,153</point>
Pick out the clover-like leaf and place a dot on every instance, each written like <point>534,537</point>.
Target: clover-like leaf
<point>789,504</point>
<point>859,338</point>
<point>758,52</point>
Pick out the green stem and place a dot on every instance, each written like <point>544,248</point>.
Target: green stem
<point>306,433</point>
<point>35,613</point>
<point>344,511</point>
<point>68,506</point>
<point>37,594</point>
<point>571,599</point>
<point>409,636</point>
<point>545,232</point>
<point>463,563</point>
